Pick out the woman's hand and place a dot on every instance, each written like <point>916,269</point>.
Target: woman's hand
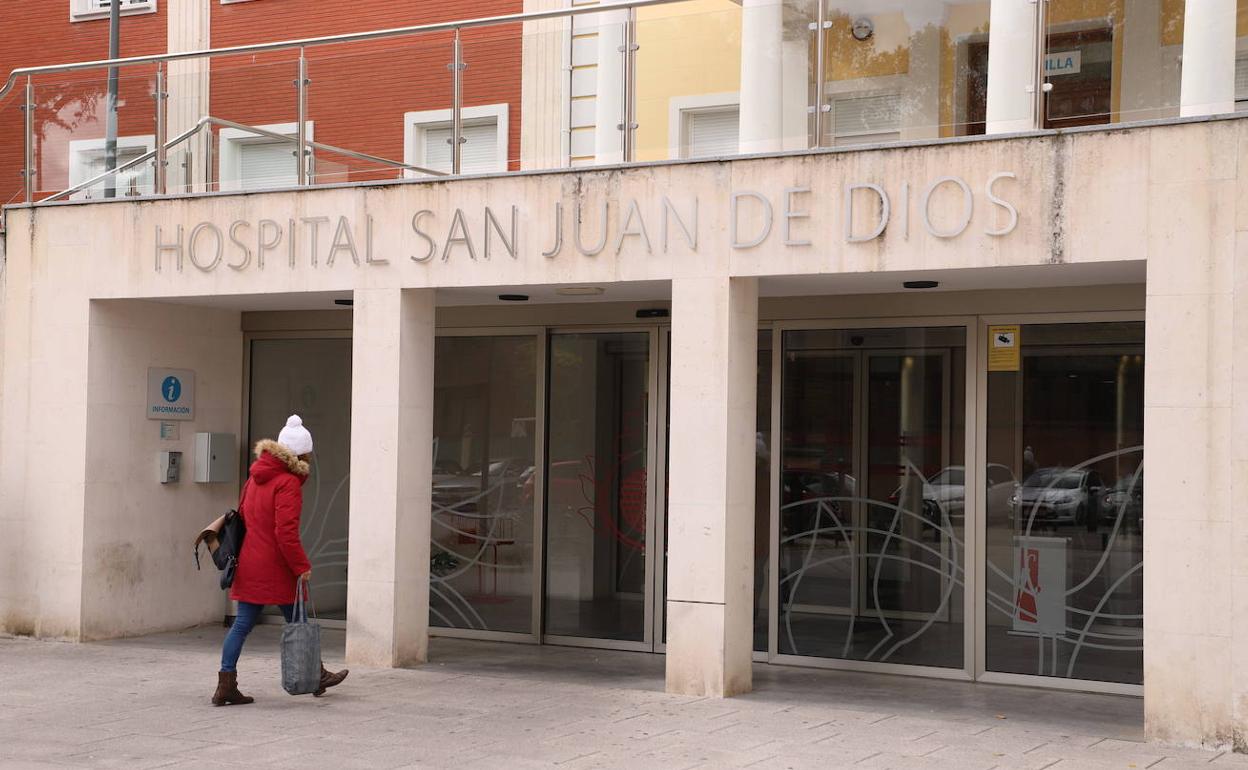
<point>306,576</point>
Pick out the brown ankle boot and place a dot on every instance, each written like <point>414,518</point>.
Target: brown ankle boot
<point>330,679</point>
<point>227,693</point>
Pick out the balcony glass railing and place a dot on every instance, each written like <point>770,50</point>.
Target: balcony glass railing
<point>645,80</point>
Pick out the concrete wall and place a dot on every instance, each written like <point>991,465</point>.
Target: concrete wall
<point>137,572</point>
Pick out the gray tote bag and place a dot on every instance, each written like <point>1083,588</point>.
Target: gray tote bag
<point>301,649</point>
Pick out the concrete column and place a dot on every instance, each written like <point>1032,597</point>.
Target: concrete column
<point>1208,79</point>
<point>189,29</point>
<point>711,498</point>
<point>609,101</point>
<point>391,477</point>
<point>762,76</point>
<point>1195,410</point>
<point>1012,62</point>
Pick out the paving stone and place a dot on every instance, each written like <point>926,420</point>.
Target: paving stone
<point>144,703</point>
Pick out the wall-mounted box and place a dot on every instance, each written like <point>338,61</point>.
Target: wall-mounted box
<point>216,458</point>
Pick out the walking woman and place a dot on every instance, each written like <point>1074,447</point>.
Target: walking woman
<point>272,558</point>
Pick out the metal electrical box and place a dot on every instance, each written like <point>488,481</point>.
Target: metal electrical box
<point>216,459</point>
<point>170,463</point>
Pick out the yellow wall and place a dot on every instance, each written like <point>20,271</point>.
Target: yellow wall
<point>685,49</point>
<point>887,52</point>
<point>694,48</point>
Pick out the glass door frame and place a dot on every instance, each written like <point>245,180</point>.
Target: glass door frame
<point>975,570</point>
<point>656,385</point>
<point>971,533</point>
<point>245,449</point>
<point>540,336</point>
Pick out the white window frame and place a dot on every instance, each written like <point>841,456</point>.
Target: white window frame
<point>415,124</point>
<point>230,162</point>
<point>80,148</point>
<point>84,10</point>
<point>681,107</point>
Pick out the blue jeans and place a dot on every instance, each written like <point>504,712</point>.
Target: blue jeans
<point>244,621</point>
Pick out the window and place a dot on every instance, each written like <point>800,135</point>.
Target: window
<point>710,132</point>
<point>251,162</point>
<point>859,119</point>
<point>427,142</point>
<point>82,10</point>
<point>87,160</point>
<point>703,125</point>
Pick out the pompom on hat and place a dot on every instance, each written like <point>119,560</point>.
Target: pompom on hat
<point>295,437</point>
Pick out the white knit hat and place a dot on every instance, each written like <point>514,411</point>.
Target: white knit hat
<point>295,437</point>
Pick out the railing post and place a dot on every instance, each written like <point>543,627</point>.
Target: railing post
<point>28,165</point>
<point>301,128</point>
<point>1039,88</point>
<point>629,124</point>
<point>822,108</point>
<point>457,98</point>
<point>162,131</point>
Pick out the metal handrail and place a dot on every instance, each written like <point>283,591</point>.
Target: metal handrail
<point>209,120</point>
<point>353,37</point>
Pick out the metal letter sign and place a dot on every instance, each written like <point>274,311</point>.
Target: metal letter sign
<point>170,394</point>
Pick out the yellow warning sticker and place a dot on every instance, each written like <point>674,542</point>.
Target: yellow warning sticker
<point>1004,349</point>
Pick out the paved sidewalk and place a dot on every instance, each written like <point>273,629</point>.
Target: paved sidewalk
<point>144,703</point>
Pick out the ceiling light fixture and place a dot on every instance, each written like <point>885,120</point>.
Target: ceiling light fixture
<point>344,302</point>
<point>514,297</point>
<point>920,284</point>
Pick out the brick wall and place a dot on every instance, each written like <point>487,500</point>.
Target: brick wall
<point>357,97</point>
<point>359,92</point>
<point>70,105</point>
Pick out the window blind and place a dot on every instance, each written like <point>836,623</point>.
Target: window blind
<point>267,164</point>
<point>711,132</point>
<point>480,150</point>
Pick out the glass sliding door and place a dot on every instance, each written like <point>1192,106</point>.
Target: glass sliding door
<point>1064,503</point>
<point>485,438</point>
<point>311,378</point>
<point>872,518</point>
<point>598,487</point>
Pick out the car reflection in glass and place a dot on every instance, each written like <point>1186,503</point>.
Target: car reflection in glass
<point>1059,496</point>
<point>458,490</point>
<point>1126,496</point>
<point>944,494</point>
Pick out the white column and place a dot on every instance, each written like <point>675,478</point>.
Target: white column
<point>1195,407</point>
<point>1012,62</point>
<point>543,88</point>
<point>711,498</point>
<point>762,76</point>
<point>1208,79</point>
<point>391,477</point>
<point>609,101</point>
<point>189,29</point>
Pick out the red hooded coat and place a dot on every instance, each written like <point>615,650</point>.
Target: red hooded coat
<point>272,557</point>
